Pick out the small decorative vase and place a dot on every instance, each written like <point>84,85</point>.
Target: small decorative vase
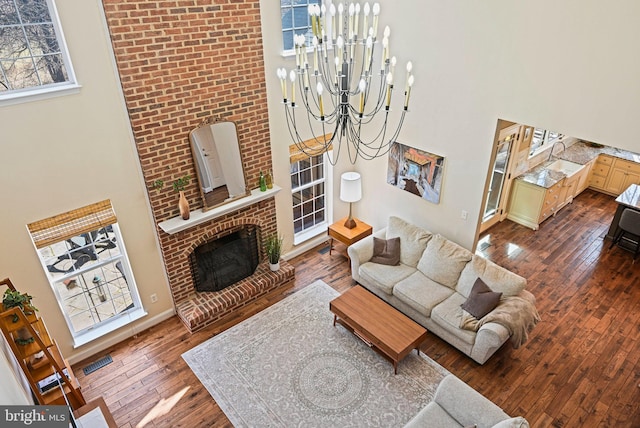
<point>183,204</point>
<point>274,266</point>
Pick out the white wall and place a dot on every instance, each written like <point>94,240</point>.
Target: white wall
<point>67,152</point>
<point>568,66</point>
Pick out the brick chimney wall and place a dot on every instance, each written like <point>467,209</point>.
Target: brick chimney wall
<point>181,62</point>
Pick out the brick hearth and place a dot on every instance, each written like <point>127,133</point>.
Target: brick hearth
<point>202,309</point>
<point>180,63</point>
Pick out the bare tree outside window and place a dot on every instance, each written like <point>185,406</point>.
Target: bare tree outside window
<point>31,48</point>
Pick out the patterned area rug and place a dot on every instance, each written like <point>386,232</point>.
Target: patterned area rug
<point>288,366</point>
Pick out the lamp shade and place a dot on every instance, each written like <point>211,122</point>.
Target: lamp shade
<point>350,187</point>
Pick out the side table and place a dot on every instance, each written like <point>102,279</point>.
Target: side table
<point>348,236</point>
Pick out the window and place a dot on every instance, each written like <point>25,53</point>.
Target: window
<point>542,139</point>
<point>295,20</point>
<point>33,54</point>
<point>83,254</point>
<point>309,194</point>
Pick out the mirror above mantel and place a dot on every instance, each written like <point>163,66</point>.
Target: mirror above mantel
<point>216,153</point>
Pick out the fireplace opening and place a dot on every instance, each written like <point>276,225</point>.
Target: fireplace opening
<point>226,260</point>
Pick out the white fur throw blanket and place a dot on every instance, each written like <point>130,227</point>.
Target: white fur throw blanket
<point>518,314</point>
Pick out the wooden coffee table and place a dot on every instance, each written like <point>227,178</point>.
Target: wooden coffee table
<point>377,324</point>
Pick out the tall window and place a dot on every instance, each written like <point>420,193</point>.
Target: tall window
<point>295,20</point>
<point>83,254</point>
<point>309,194</point>
<point>33,54</point>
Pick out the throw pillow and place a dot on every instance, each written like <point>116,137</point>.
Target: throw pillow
<point>482,300</point>
<point>386,251</point>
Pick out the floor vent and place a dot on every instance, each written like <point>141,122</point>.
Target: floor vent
<point>324,250</point>
<point>97,364</point>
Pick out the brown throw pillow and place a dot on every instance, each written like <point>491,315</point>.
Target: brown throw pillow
<point>386,251</point>
<point>482,300</point>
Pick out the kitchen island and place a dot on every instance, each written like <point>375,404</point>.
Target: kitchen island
<point>630,198</point>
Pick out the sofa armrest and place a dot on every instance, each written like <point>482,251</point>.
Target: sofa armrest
<point>362,251</point>
<point>489,338</point>
<point>466,405</point>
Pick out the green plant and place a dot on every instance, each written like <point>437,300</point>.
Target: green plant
<point>12,299</point>
<point>181,182</point>
<point>178,185</point>
<point>274,248</point>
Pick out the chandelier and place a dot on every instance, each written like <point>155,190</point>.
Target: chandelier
<point>340,87</point>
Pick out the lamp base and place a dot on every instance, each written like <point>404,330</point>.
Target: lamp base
<point>350,223</point>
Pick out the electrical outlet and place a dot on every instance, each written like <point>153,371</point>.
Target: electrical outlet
<point>464,214</point>
<point>154,298</point>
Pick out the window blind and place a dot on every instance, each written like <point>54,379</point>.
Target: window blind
<point>316,147</point>
<point>72,223</point>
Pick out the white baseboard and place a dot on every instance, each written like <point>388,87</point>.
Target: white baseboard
<point>120,335</point>
<point>303,248</point>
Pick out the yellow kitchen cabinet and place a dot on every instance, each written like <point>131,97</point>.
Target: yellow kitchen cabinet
<point>600,172</point>
<point>623,173</point>
<point>530,204</point>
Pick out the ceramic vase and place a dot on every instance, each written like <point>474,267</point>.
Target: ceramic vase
<point>183,204</point>
<point>274,266</point>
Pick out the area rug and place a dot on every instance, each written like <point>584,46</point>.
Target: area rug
<point>288,366</point>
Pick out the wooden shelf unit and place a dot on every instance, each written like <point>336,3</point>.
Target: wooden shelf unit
<point>50,363</point>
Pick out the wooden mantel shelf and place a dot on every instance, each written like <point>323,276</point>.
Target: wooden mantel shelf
<point>177,224</point>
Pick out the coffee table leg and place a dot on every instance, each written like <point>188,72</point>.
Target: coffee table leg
<point>395,367</point>
<point>335,317</point>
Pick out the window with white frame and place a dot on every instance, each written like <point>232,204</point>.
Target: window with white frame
<point>309,196</point>
<point>33,54</point>
<point>542,139</point>
<point>84,257</point>
<point>295,20</point>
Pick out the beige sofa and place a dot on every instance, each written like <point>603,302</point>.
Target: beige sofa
<point>456,405</point>
<point>434,277</point>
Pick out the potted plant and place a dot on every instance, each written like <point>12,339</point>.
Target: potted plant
<point>274,251</point>
<point>13,299</point>
<point>178,186</point>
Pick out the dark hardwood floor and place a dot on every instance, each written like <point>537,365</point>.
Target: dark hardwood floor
<point>580,367</point>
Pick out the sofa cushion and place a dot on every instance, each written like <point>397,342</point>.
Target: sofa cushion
<point>448,315</point>
<point>443,261</point>
<point>517,422</point>
<point>481,300</point>
<point>432,415</point>
<point>413,239</point>
<point>384,277</point>
<point>496,277</point>
<point>386,251</point>
<point>421,293</point>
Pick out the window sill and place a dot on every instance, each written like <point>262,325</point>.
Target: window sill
<point>108,327</point>
<point>38,94</point>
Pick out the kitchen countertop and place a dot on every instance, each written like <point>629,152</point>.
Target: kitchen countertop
<point>579,153</point>
<point>630,197</point>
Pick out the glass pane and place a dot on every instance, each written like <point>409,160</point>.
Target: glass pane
<point>286,16</point>
<point>297,226</point>
<point>319,216</point>
<point>297,212</point>
<point>308,221</point>
<point>34,11</point>
<point>301,18</point>
<point>8,12</point>
<point>307,208</point>
<point>287,40</point>
<point>296,198</point>
<point>305,176</point>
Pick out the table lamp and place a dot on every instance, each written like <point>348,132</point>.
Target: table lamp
<point>350,191</point>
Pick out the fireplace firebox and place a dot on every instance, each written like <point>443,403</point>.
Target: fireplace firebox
<point>224,261</point>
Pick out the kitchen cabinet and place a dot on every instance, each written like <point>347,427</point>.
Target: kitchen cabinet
<point>600,172</point>
<point>531,204</point>
<point>623,173</point>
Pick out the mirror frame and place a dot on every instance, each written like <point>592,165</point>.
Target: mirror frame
<point>205,196</point>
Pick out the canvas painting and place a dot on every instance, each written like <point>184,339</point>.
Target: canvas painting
<point>415,171</point>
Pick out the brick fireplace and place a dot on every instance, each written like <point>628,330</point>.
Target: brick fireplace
<point>181,62</point>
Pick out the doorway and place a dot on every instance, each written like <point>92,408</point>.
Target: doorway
<point>500,178</point>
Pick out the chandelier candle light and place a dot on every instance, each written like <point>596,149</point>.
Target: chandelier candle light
<point>336,90</point>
